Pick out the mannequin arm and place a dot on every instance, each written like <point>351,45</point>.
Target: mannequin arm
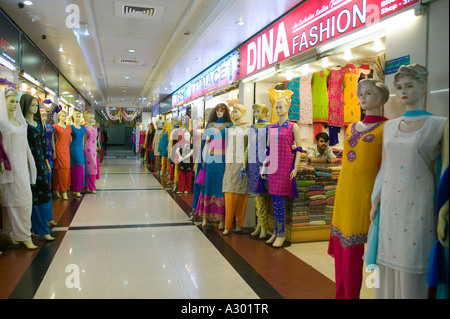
<point>53,146</point>
<point>2,168</point>
<point>48,165</point>
<point>442,222</point>
<point>374,209</point>
<point>296,131</point>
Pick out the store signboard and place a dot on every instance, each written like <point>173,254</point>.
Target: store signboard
<point>35,64</point>
<point>310,25</point>
<point>222,74</point>
<point>155,110</point>
<point>9,40</point>
<point>393,65</point>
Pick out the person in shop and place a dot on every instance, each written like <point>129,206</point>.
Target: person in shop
<point>322,153</point>
<point>404,194</point>
<point>63,138</point>
<point>281,167</point>
<point>211,200</point>
<point>235,185</point>
<point>361,162</point>
<point>42,211</point>
<point>16,195</point>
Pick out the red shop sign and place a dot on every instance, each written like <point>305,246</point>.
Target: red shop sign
<point>312,24</point>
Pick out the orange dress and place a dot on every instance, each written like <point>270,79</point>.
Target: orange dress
<point>61,176</point>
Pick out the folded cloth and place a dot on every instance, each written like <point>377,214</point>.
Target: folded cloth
<point>321,174</point>
<point>306,213</point>
<point>330,200</point>
<point>302,189</point>
<point>305,183</point>
<point>328,187</point>
<point>313,193</point>
<point>301,203</point>
<point>317,222</point>
<point>315,187</point>
<point>306,169</point>
<point>301,217</point>
<point>299,209</point>
<point>323,169</point>
<point>317,197</point>
<point>330,193</point>
<point>300,223</point>
<point>317,202</point>
<point>317,207</point>
<point>305,177</point>
<point>323,179</point>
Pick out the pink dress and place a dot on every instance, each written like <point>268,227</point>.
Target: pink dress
<point>90,150</point>
<point>336,98</point>
<point>281,159</point>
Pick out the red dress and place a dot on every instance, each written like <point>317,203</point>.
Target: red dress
<point>336,98</point>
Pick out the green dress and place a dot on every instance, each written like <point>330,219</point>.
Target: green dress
<point>320,96</point>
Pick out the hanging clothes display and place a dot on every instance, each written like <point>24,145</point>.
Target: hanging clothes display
<point>294,110</point>
<point>336,97</point>
<point>352,109</point>
<point>306,100</point>
<point>274,95</point>
<point>61,176</point>
<point>320,96</point>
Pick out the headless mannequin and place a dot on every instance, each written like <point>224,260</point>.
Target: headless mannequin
<point>282,109</point>
<point>261,113</point>
<point>236,204</point>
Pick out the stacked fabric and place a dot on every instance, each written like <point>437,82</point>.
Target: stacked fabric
<point>299,207</point>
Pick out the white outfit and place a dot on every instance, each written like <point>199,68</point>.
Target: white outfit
<point>156,141</point>
<point>407,228</point>
<point>16,196</point>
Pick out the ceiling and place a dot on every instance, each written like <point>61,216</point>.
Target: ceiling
<point>183,38</point>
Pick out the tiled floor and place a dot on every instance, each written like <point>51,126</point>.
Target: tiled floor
<point>133,240</point>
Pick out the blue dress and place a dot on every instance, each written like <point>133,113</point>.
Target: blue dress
<point>256,155</point>
<point>77,146</point>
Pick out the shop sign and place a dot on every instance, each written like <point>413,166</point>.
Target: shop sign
<point>220,75</point>
<point>311,24</point>
<point>155,110</point>
<point>9,41</point>
<point>393,65</point>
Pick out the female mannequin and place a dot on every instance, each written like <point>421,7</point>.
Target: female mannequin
<point>234,187</point>
<point>282,168</point>
<point>173,136</point>
<point>163,147</point>
<point>16,195</point>
<point>360,165</point>
<point>211,201</point>
<point>77,159</point>
<point>90,152</point>
<point>274,94</point>
<point>185,165</point>
<point>156,141</point>
<point>42,211</point>
<point>61,177</point>
<point>406,193</point>
<point>255,156</point>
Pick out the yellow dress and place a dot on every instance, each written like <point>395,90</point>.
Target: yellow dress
<point>361,161</point>
<point>274,95</point>
<point>352,109</point>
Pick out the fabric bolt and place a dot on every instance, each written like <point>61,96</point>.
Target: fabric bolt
<point>274,95</point>
<point>281,159</point>
<point>320,96</point>
<point>294,110</point>
<point>306,100</point>
<point>352,109</point>
<point>335,98</point>
<point>407,228</point>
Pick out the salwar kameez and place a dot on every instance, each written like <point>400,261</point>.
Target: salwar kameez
<point>77,159</point>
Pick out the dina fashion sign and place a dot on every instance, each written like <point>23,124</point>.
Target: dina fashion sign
<point>310,25</point>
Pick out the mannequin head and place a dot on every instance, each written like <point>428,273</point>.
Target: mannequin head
<point>88,117</point>
<point>187,136</point>
<point>260,111</point>
<point>43,114</point>
<point>12,100</point>
<point>30,107</point>
<point>76,117</point>
<point>221,112</point>
<point>62,117</point>
<point>411,83</point>
<point>282,106</point>
<point>176,121</point>
<point>238,111</point>
<point>372,94</point>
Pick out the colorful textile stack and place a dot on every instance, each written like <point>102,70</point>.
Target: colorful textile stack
<point>299,207</point>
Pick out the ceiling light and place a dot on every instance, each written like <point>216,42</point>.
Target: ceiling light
<point>69,62</point>
<point>348,55</point>
<point>60,49</point>
<point>131,50</point>
<point>240,22</point>
<point>86,33</point>
<point>377,45</point>
<point>28,3</point>
<point>126,77</point>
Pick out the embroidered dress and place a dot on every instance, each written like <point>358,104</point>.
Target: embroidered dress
<point>61,175</point>
<point>294,110</point>
<point>90,154</point>
<point>352,109</point>
<point>274,95</point>
<point>211,201</point>
<point>306,101</point>
<point>77,159</point>
<point>49,130</point>
<point>407,228</point>
<point>336,98</point>
<point>320,96</point>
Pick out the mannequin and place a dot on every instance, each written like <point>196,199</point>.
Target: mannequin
<point>156,141</point>
<point>63,137</point>
<point>211,201</point>
<point>163,147</point>
<point>282,168</point>
<point>274,95</point>
<point>406,191</point>
<point>360,164</point>
<point>255,156</point>
<point>77,159</point>
<point>149,151</point>
<point>235,186</point>
<point>51,110</point>
<point>90,152</point>
<point>16,195</point>
<point>173,137</point>
<point>185,165</point>
<point>42,210</point>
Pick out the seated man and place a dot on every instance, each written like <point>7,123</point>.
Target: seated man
<point>322,153</point>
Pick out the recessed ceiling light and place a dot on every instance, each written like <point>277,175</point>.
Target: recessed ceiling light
<point>126,77</point>
<point>240,22</point>
<point>69,62</point>
<point>131,50</point>
<point>28,3</point>
<point>61,49</point>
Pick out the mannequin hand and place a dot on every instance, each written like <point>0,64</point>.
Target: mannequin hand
<point>2,168</point>
<point>442,222</point>
<point>243,173</point>
<point>373,212</point>
<point>293,173</point>
<point>48,166</point>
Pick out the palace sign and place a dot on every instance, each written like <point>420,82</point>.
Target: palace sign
<point>312,24</point>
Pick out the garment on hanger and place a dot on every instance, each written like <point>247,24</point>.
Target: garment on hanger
<point>294,110</point>
<point>336,97</point>
<point>274,95</point>
<point>306,100</point>
<point>320,96</point>
<point>352,109</point>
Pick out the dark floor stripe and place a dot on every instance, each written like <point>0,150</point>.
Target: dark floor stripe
<point>129,189</point>
<point>129,226</point>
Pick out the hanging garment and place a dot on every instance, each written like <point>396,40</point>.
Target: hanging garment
<point>320,96</point>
